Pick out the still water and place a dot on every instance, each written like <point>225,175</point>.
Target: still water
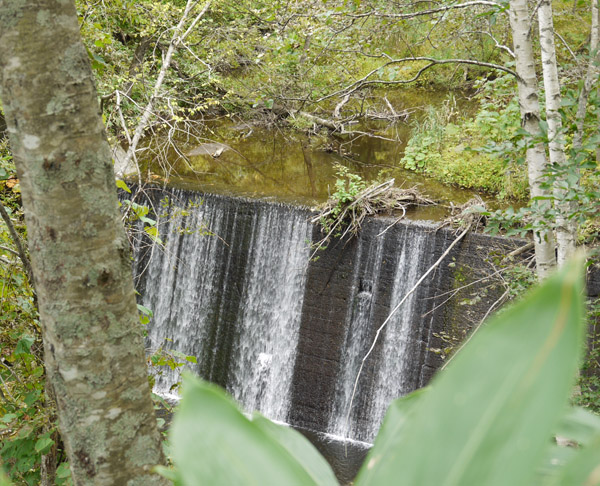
<point>260,160</point>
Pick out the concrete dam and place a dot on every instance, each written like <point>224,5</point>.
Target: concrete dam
<point>234,287</point>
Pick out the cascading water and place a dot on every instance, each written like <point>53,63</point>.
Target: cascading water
<point>233,288</point>
<point>269,318</point>
<point>357,342</point>
<point>397,372</point>
<point>393,368</point>
<point>231,298</point>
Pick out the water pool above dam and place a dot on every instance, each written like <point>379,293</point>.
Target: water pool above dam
<point>234,288</point>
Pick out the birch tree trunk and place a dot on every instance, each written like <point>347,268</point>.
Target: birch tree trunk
<point>530,119</point>
<point>92,338</point>
<point>566,230</point>
<point>591,77</point>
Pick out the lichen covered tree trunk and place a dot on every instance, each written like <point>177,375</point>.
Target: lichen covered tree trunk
<point>530,118</point>
<point>80,256</point>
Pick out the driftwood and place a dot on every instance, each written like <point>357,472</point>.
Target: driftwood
<point>375,199</point>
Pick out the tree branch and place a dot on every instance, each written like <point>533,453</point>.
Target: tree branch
<point>364,81</point>
<point>17,241</point>
<point>175,41</point>
<point>446,8</point>
<point>395,309</point>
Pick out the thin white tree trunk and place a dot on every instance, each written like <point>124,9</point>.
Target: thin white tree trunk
<point>591,77</point>
<point>566,230</point>
<point>176,40</point>
<point>530,119</point>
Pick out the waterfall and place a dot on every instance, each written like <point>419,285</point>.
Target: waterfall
<point>228,290</point>
<point>357,342</point>
<point>394,367</point>
<point>233,288</point>
<point>269,318</point>
<point>398,371</point>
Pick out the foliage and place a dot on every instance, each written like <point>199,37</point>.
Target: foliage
<point>460,150</point>
<point>486,419</point>
<point>27,424</point>
<point>589,380</point>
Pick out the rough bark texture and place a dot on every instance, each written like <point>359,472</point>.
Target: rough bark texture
<point>80,256</point>
<point>566,230</point>
<point>530,116</point>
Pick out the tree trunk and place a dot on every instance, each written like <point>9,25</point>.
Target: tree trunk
<point>530,119</point>
<point>79,253</point>
<point>591,77</point>
<point>566,229</point>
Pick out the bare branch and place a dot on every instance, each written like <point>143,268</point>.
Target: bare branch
<point>17,241</point>
<point>411,15</point>
<point>364,81</point>
<point>175,41</point>
<point>395,309</point>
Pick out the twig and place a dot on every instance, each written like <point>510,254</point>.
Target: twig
<point>393,224</point>
<point>175,41</point>
<point>9,250</point>
<point>520,250</point>
<point>395,309</point>
<point>500,299</point>
<point>17,241</point>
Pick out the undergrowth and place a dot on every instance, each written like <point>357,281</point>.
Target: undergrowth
<point>456,150</point>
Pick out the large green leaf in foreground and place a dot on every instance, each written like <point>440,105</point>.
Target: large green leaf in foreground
<point>488,418</point>
<point>215,444</point>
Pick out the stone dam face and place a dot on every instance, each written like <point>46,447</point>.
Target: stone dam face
<point>234,288</point>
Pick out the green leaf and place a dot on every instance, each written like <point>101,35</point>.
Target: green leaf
<point>43,445</point>
<point>300,448</point>
<point>4,481</point>
<point>398,414</point>
<point>145,310</point>
<point>63,471</point>
<point>214,443</point>
<point>152,231</point>
<point>487,418</point>
<point>122,185</point>
<point>9,417</point>
<point>579,425</point>
<point>169,473</point>
<point>24,345</point>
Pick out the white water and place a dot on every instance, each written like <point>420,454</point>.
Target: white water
<point>395,376</point>
<point>359,322</point>
<point>269,318</point>
<point>189,289</point>
<point>392,372</point>
<point>233,300</point>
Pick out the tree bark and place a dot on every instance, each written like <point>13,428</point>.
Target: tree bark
<point>566,229</point>
<point>137,63</point>
<point>591,77</point>
<point>530,119</point>
<point>79,253</point>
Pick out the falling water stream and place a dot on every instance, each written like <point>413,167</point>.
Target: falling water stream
<point>228,289</point>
